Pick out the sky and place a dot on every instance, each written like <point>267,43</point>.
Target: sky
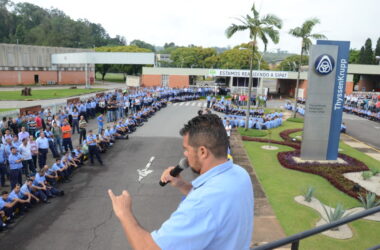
<point>203,22</point>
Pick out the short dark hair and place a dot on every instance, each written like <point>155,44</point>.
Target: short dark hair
<point>208,131</point>
<point>4,192</point>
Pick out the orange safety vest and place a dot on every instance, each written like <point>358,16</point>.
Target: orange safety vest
<point>66,131</point>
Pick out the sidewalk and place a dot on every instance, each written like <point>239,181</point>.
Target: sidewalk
<point>361,146</point>
<point>266,226</point>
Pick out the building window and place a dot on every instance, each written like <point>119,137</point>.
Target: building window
<point>165,80</point>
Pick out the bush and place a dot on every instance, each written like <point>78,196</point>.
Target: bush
<point>367,175</point>
<point>291,119</point>
<point>252,132</point>
<point>309,193</point>
<point>369,201</point>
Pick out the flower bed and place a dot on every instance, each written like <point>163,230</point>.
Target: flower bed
<point>333,172</point>
<point>285,135</point>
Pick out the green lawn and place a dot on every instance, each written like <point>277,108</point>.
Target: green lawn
<point>46,94</point>
<point>281,185</point>
<point>111,77</point>
<point>275,132</point>
<point>4,110</point>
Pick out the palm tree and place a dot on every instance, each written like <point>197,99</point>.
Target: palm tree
<point>304,32</point>
<point>263,28</point>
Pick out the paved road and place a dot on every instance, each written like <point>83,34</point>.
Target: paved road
<point>83,218</point>
<point>361,129</point>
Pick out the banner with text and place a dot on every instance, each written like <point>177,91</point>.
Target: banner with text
<point>245,73</point>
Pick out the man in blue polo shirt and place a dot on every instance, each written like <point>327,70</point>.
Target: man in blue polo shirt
<point>3,168</point>
<point>15,166</point>
<point>92,148</point>
<point>100,123</point>
<point>218,210</point>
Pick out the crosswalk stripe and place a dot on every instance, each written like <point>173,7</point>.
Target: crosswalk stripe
<point>199,104</point>
<point>188,103</point>
<point>175,104</point>
<point>193,104</point>
<point>181,103</point>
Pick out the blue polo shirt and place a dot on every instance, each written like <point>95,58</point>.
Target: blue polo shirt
<point>3,154</point>
<point>91,140</point>
<point>2,203</point>
<point>42,143</point>
<point>12,161</point>
<point>39,179</point>
<point>24,189</point>
<point>216,214</point>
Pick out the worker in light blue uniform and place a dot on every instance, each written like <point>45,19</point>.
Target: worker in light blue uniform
<point>3,168</point>
<point>92,148</point>
<point>15,166</point>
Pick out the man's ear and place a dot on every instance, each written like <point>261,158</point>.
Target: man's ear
<point>203,152</point>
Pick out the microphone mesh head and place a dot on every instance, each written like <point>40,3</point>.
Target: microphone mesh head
<point>183,163</point>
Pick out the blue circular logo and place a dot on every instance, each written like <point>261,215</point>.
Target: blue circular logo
<point>324,64</point>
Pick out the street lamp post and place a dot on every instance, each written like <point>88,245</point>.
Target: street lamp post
<point>249,89</point>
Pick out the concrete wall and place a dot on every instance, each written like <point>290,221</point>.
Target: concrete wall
<point>26,56</point>
<point>369,83</point>
<point>176,81</point>
<point>287,87</point>
<point>150,80</point>
<point>8,78</point>
<point>349,88</point>
<point>20,63</point>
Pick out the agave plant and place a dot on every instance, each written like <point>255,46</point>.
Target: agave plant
<point>374,171</point>
<point>309,193</point>
<point>369,201</point>
<point>334,214</point>
<point>367,175</point>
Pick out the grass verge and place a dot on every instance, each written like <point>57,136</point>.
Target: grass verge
<point>45,94</point>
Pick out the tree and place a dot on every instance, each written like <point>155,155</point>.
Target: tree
<point>368,56</point>
<point>377,49</point>
<point>263,28</point>
<point>142,44</point>
<point>122,68</point>
<point>354,56</point>
<point>291,63</point>
<point>191,57</point>
<point>305,33</point>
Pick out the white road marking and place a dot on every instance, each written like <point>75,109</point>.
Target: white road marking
<point>187,103</point>
<point>181,104</point>
<point>145,171</point>
<point>175,104</point>
<point>193,104</point>
<point>377,127</point>
<point>199,104</point>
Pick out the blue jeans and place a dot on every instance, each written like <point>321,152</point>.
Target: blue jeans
<point>58,144</point>
<point>3,171</point>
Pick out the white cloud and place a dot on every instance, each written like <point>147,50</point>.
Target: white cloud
<point>203,22</point>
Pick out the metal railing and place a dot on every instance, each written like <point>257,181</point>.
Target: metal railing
<point>295,239</point>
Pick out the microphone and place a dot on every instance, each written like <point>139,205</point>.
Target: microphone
<point>183,163</point>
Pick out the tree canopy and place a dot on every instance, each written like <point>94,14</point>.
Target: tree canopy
<point>26,23</point>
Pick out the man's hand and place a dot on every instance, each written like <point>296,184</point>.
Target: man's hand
<point>177,182</point>
<point>121,204</point>
<point>174,181</point>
